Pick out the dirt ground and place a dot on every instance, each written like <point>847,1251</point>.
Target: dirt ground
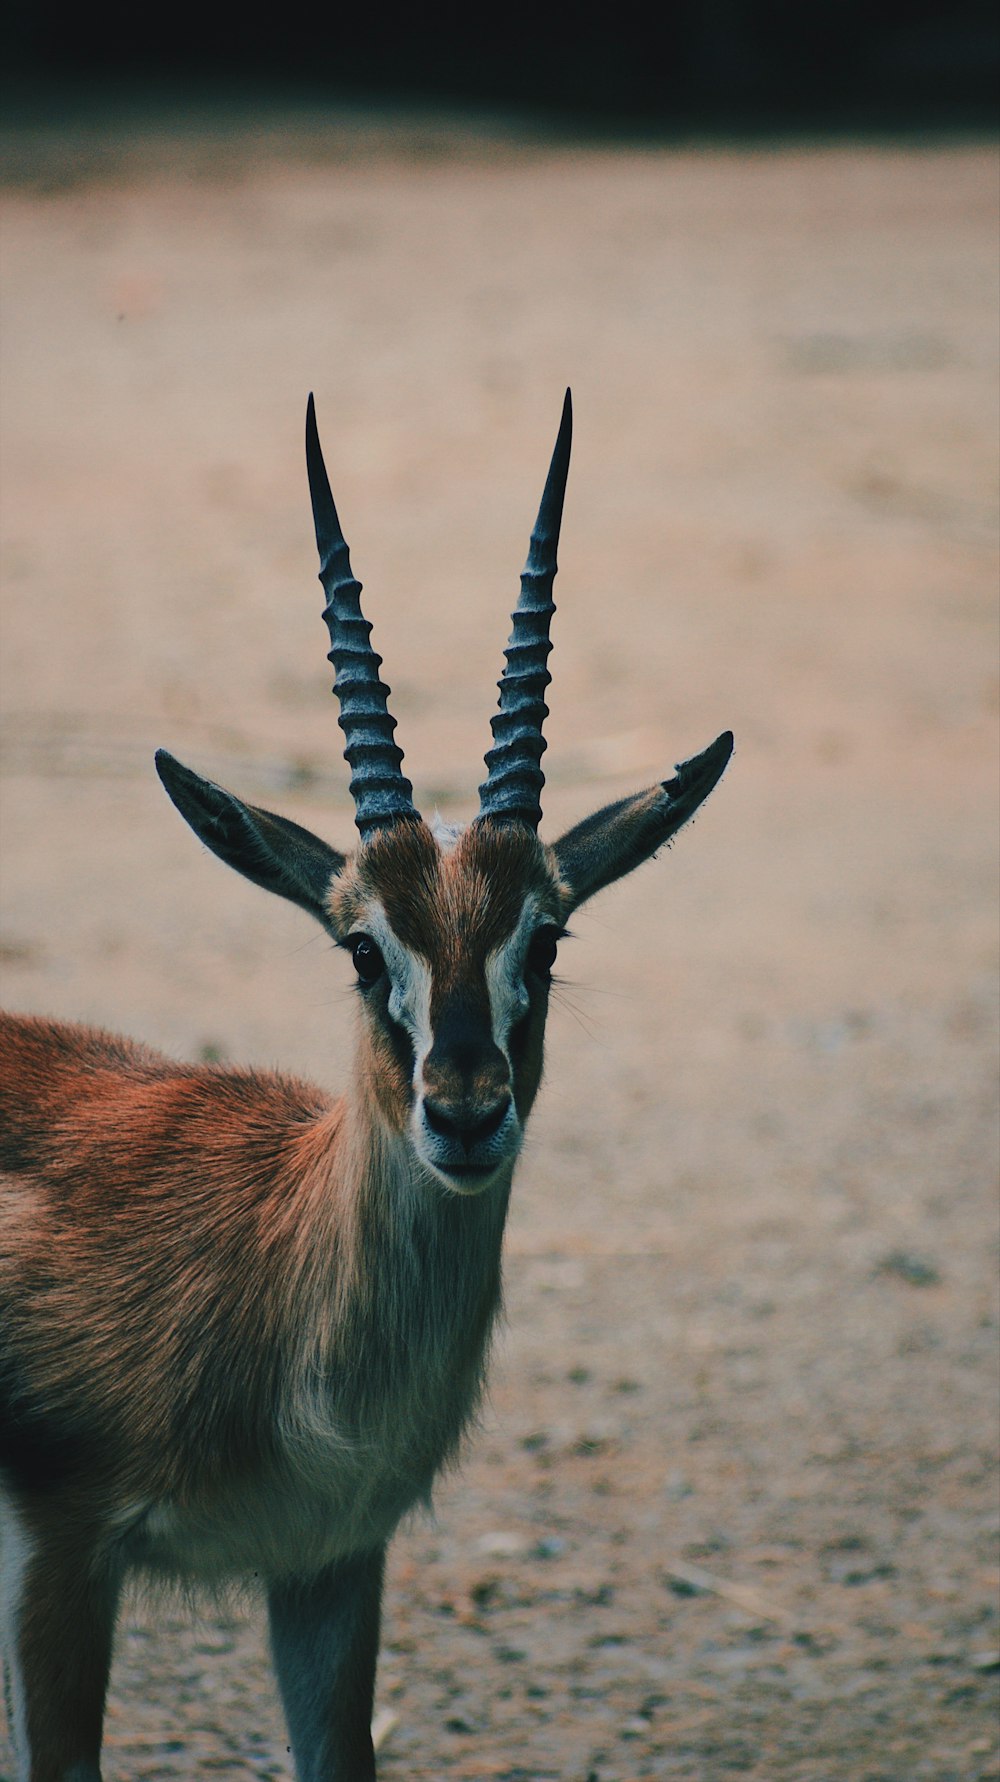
<point>733,1507</point>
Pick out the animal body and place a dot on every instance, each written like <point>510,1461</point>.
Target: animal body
<point>242,1324</point>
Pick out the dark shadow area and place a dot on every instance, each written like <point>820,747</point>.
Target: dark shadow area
<point>731,66</point>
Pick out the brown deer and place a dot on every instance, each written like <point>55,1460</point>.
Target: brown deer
<point>243,1325</point>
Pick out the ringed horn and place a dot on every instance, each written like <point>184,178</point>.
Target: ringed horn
<point>382,794</point>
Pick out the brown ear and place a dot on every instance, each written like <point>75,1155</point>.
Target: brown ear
<point>609,844</point>
<point>274,852</point>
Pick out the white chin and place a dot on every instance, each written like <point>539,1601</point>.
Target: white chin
<point>465,1181</point>
<point>469,1179</point>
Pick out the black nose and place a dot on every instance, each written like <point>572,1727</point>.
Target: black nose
<point>457,1126</point>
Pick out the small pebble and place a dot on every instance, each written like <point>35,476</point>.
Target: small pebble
<point>549,1547</point>
<point>916,1271</point>
<point>502,1544</point>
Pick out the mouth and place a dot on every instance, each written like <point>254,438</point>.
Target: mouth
<point>467,1172</point>
<point>468,1175</point>
<point>467,1178</point>
<point>466,1162</point>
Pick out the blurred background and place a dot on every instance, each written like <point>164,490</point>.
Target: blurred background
<point>731,62</point>
<point>732,1509</point>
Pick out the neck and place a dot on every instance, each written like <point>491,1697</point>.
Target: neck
<point>407,1286</point>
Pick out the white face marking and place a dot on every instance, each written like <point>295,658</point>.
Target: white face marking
<point>410,980</point>
<point>505,984</point>
<point>409,1004</point>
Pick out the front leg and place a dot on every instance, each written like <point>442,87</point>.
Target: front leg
<point>58,1598</point>
<point>324,1638</point>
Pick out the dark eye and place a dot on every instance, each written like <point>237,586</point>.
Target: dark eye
<point>368,961</point>
<point>542,951</point>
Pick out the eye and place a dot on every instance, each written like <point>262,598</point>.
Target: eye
<point>542,951</point>
<point>368,961</point>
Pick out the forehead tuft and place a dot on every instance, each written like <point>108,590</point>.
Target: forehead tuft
<point>472,893</point>
<point>506,859</point>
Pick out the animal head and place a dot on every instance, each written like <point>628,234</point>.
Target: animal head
<point>452,935</point>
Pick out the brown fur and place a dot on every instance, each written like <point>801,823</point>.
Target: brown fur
<point>453,909</point>
<point>185,1218</point>
<point>219,1287</point>
<point>242,1325</point>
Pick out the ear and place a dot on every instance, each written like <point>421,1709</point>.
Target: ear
<point>270,850</point>
<point>606,846</point>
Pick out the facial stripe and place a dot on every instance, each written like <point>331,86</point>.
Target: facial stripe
<point>420,998</point>
<point>455,932</point>
<point>505,978</point>
<point>410,982</point>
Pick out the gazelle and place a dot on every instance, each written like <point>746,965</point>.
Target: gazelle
<point>243,1325</point>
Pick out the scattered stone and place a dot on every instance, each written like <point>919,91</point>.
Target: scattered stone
<point>502,1544</point>
<point>484,1592</point>
<point>916,1271</point>
<point>598,1596</point>
<point>536,1441</point>
<point>596,1438</point>
<point>682,1585</point>
<point>851,1572</point>
<point>549,1547</point>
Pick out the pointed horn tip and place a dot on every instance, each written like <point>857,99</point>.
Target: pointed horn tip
<point>566,419</point>
<point>559,466</point>
<point>313,448</point>
<point>326,521</point>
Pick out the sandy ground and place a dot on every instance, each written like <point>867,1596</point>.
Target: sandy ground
<point>733,1507</point>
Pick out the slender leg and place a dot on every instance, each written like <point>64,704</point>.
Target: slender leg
<point>57,1631</point>
<point>324,1637</point>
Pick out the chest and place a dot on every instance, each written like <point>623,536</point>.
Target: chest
<point>335,1441</point>
<point>294,1517</point>
<point>341,1452</point>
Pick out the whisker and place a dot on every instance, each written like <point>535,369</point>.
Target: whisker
<point>564,1001</point>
